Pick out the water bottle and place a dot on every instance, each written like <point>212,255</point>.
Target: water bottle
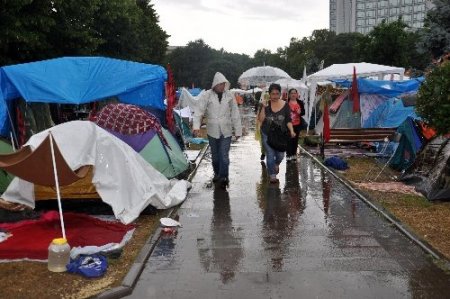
<point>58,255</point>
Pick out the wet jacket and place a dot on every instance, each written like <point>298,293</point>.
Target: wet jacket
<point>222,116</point>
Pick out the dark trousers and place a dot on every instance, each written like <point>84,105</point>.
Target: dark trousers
<point>293,142</point>
<point>220,149</point>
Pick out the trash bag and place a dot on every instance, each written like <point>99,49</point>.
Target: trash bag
<point>336,163</point>
<point>89,266</point>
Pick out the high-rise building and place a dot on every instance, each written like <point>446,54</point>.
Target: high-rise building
<point>362,15</point>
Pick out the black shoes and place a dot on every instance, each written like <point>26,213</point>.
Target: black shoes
<point>223,183</point>
<point>262,157</point>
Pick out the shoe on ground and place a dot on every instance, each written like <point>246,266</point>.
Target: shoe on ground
<point>224,183</point>
<point>262,157</point>
<point>273,180</point>
<point>277,168</point>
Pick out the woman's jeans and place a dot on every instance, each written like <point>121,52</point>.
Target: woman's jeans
<point>220,149</point>
<point>273,157</point>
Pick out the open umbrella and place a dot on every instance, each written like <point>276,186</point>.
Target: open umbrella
<point>261,75</point>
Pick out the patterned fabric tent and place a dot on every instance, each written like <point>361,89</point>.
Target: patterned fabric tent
<point>143,132</point>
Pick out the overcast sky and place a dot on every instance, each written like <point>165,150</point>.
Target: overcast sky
<point>241,26</point>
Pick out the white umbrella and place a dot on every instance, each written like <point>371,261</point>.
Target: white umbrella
<point>288,83</point>
<point>261,76</point>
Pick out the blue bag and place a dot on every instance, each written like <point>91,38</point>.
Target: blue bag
<point>90,266</point>
<point>336,163</point>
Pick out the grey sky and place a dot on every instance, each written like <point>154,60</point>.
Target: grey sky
<point>241,26</point>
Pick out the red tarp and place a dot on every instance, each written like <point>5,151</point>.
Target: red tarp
<point>31,238</point>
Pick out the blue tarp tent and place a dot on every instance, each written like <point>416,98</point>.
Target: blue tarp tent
<point>386,88</point>
<point>391,114</point>
<point>79,80</point>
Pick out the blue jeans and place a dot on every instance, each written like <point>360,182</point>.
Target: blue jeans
<point>273,157</point>
<point>220,149</point>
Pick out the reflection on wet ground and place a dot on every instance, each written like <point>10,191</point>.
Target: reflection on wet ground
<point>306,237</point>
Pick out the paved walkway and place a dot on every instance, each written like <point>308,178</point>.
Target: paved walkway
<point>308,237</point>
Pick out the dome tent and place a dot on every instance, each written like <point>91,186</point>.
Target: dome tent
<point>143,132</point>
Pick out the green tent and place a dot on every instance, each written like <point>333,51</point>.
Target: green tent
<point>5,177</point>
<point>170,161</point>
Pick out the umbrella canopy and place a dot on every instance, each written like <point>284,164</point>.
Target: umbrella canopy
<point>287,83</point>
<point>261,75</point>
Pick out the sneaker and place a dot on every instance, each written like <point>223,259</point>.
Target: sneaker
<point>262,157</point>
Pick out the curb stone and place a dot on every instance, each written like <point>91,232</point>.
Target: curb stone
<point>131,278</point>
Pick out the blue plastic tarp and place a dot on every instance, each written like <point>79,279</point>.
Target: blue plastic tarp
<point>79,80</point>
<point>384,87</point>
<point>391,114</point>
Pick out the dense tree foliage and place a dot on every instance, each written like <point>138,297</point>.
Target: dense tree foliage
<point>41,29</point>
<point>435,36</point>
<point>392,44</point>
<point>433,99</point>
<point>196,64</point>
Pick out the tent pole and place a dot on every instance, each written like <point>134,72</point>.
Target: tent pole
<point>58,195</point>
<point>13,132</point>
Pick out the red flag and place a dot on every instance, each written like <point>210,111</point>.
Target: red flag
<point>171,99</point>
<point>326,123</point>
<point>355,93</point>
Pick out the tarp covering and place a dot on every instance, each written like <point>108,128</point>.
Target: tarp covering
<point>390,114</point>
<point>384,87</point>
<point>78,80</point>
<point>122,178</point>
<point>430,173</point>
<point>345,71</point>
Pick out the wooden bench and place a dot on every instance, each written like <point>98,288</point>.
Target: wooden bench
<point>347,136</point>
<point>360,135</point>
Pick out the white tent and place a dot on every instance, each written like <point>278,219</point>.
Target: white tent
<point>345,71</point>
<point>188,100</point>
<point>122,178</point>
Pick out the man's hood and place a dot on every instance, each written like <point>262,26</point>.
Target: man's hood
<point>220,78</point>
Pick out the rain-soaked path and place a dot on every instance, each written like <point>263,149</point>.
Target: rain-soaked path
<point>308,237</point>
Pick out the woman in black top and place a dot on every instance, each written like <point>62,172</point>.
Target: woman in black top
<point>276,111</point>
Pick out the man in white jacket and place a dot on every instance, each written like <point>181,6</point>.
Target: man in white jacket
<point>223,120</point>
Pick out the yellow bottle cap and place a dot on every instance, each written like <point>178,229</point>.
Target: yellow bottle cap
<point>59,241</point>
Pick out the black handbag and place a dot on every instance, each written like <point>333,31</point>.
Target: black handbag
<point>277,138</point>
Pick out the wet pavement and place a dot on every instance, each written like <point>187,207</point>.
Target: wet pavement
<point>307,237</point>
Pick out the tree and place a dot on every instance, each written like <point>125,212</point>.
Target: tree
<point>74,31</point>
<point>435,36</point>
<point>40,29</point>
<point>433,99</point>
<point>189,63</point>
<point>388,44</point>
<point>129,30</point>
<point>24,30</point>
